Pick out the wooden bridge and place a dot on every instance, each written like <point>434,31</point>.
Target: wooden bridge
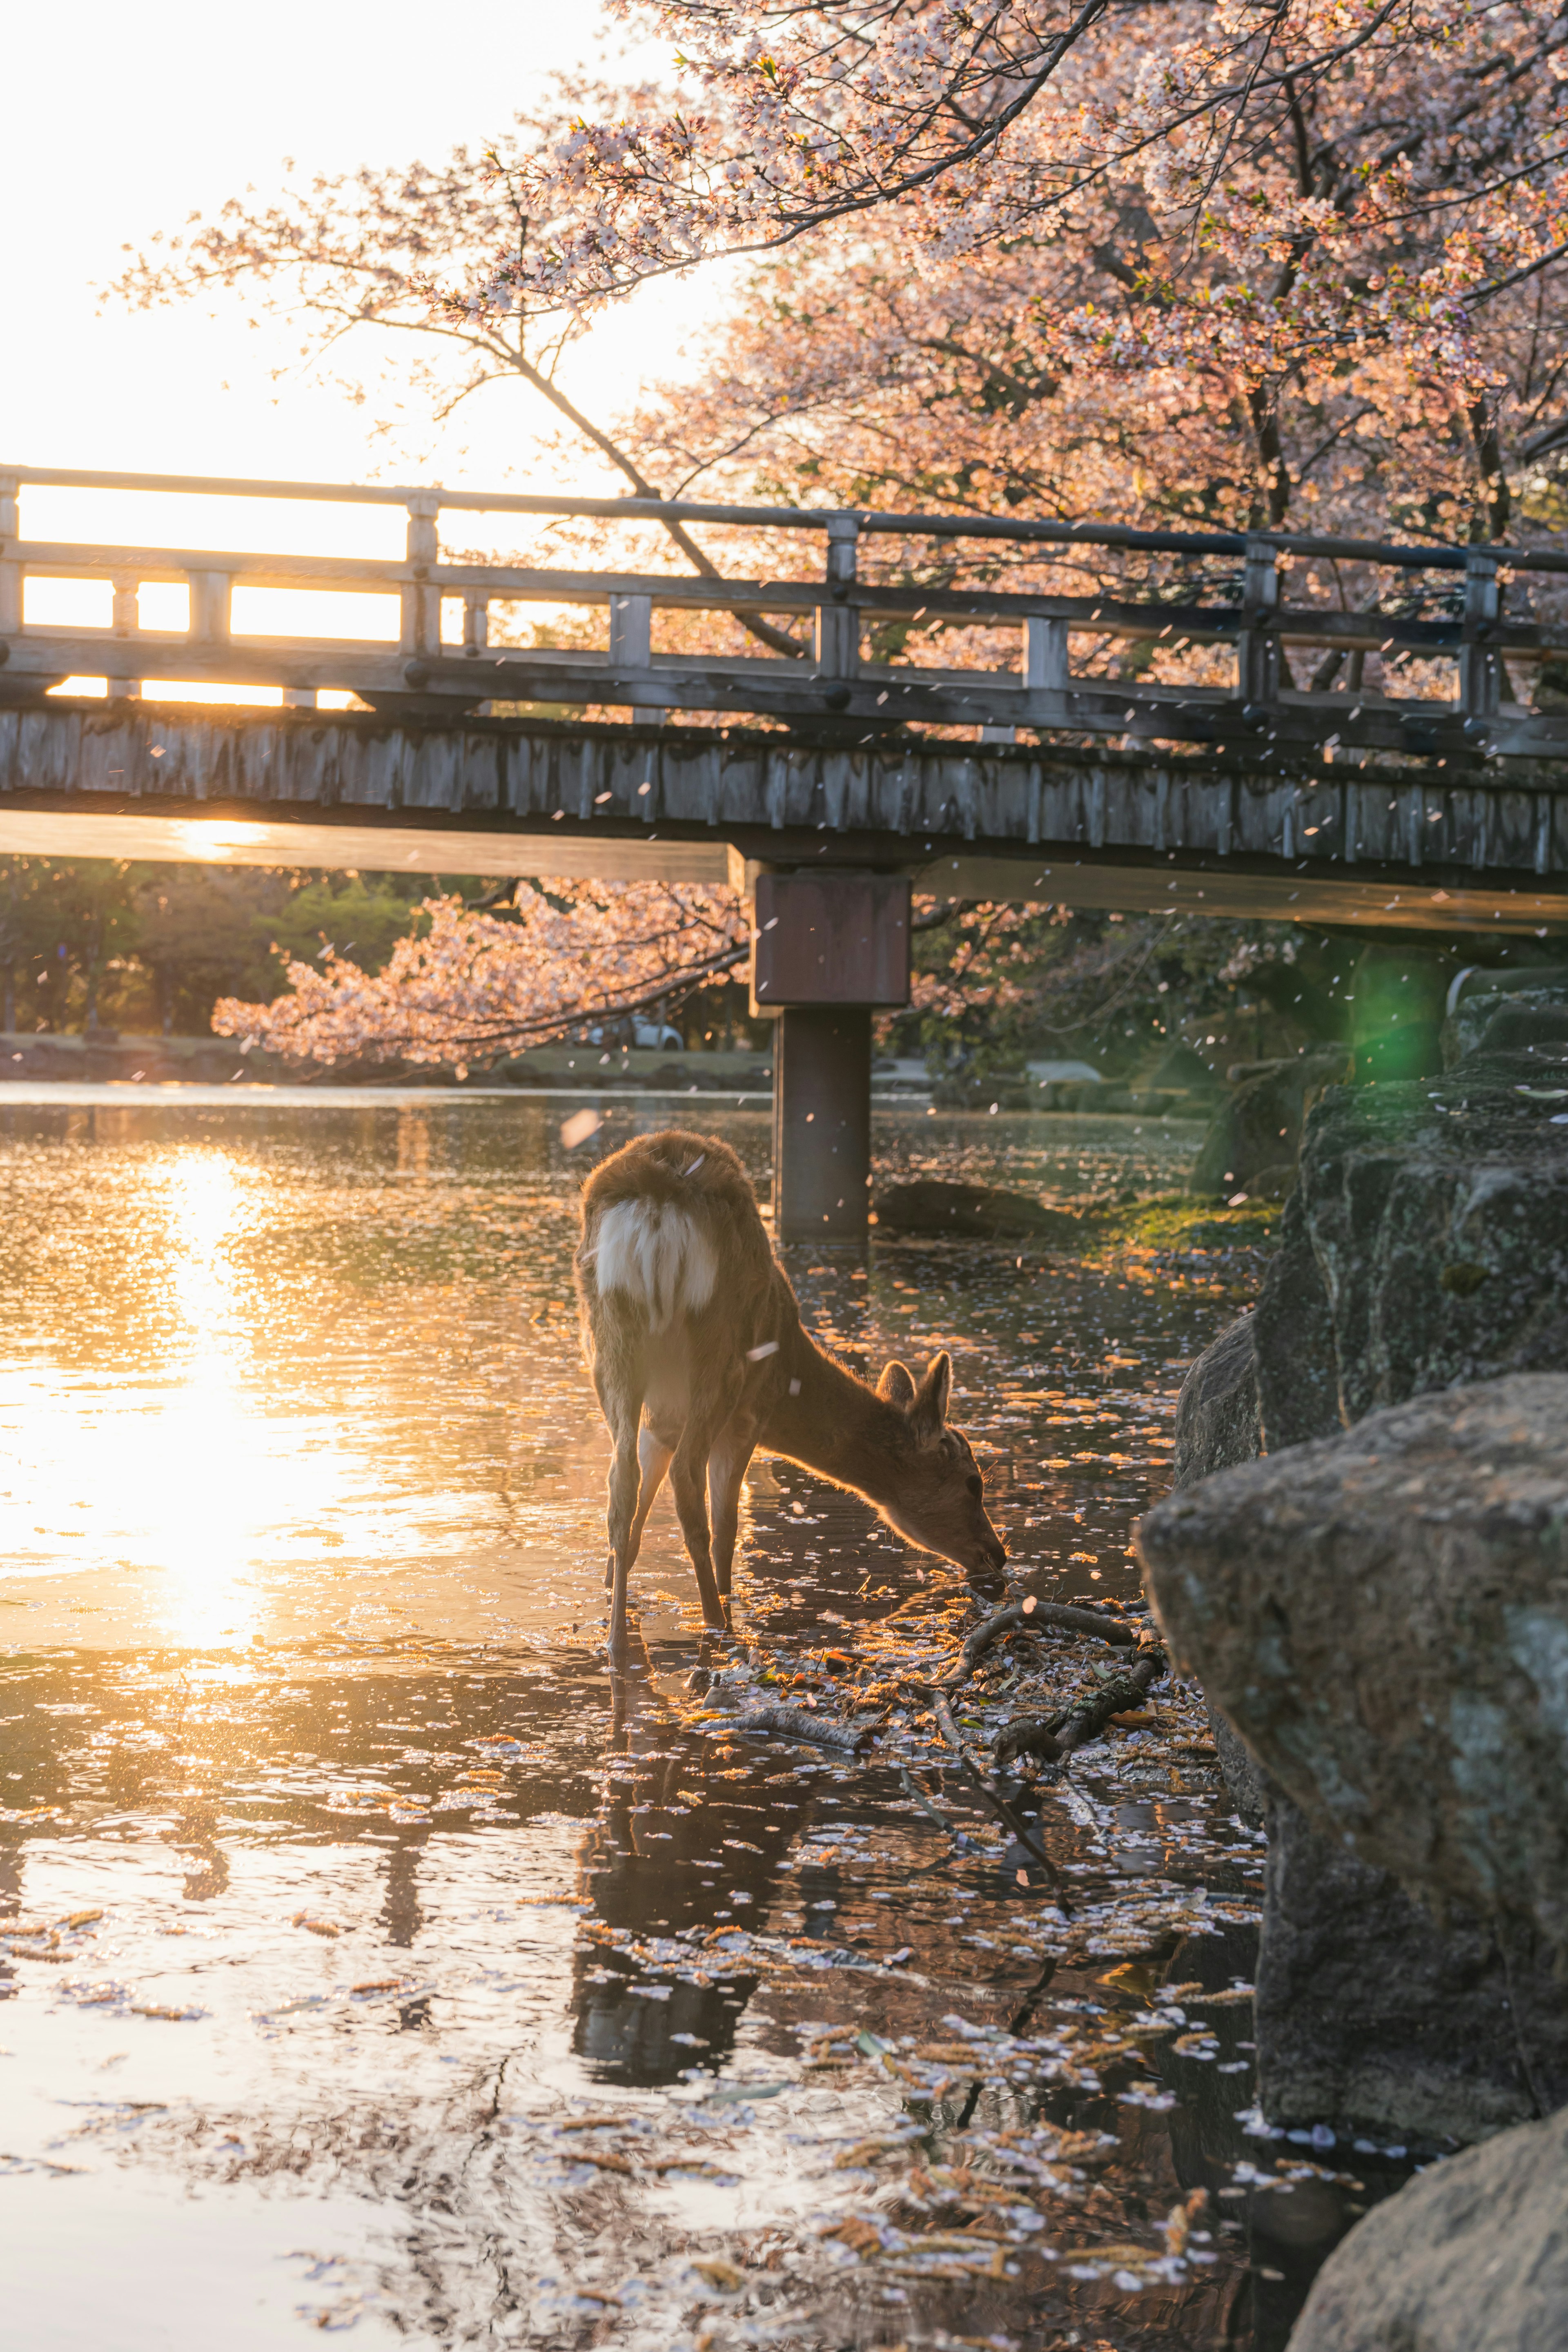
<point>1029,775</point>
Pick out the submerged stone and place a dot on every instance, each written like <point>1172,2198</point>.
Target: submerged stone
<point>971,1213</point>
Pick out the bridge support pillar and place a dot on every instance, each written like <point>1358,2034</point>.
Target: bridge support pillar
<point>822,1122</point>
<point>827,950</point>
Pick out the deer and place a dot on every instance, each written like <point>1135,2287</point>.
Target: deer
<point>692,1334</point>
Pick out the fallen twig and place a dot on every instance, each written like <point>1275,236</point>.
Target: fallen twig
<point>997,1803</point>
<point>1068,1617</point>
<point>1053,1737</point>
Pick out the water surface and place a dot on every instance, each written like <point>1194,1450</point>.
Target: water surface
<point>371,1961</point>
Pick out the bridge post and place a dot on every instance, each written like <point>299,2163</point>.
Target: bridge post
<point>631,645</point>
<point>827,950</point>
<point>1480,667</point>
<point>836,631</point>
<point>420,632</point>
<point>10,571</point>
<point>1257,647</point>
<point>124,622</point>
<point>822,1123</point>
<point>211,606</point>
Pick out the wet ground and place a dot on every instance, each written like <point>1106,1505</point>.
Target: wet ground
<point>369,1960</point>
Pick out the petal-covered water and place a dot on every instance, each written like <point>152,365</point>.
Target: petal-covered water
<point>370,1961</point>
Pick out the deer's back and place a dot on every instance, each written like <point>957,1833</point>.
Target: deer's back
<point>670,1229</point>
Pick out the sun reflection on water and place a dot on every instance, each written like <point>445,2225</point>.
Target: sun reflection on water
<point>176,1466</point>
<point>213,1495</point>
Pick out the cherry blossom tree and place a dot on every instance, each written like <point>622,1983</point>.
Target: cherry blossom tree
<point>1295,265</point>
<point>1291,230</point>
<point>473,985</point>
<point>346,266</point>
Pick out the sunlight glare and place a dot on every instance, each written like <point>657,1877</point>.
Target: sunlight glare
<point>203,840</point>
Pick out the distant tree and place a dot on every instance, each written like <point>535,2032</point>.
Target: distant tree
<point>66,929</point>
<point>205,931</point>
<point>28,939</point>
<point>352,917</point>
<point>996,983</point>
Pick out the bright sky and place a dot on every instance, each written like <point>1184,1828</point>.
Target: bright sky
<point>121,121</point>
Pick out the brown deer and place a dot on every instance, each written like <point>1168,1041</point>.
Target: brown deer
<point>693,1337</point>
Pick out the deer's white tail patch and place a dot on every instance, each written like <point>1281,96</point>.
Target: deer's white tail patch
<point>657,1254</point>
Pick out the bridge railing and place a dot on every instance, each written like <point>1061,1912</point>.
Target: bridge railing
<point>440,663</point>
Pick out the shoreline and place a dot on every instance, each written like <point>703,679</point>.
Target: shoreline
<point>87,1093</point>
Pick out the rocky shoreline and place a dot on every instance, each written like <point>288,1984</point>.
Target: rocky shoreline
<point>1366,1565</point>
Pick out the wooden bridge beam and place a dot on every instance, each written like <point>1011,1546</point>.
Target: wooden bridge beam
<point>1431,847</point>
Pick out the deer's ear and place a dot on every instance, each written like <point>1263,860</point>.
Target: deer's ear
<point>929,1410</point>
<point>895,1386</point>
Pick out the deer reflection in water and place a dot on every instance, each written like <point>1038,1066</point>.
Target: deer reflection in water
<point>687,1839</point>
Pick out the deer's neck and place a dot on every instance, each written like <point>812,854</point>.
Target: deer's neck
<point>834,1423</point>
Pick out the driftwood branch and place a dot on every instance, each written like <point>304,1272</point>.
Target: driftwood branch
<point>799,1723</point>
<point>912,1788</point>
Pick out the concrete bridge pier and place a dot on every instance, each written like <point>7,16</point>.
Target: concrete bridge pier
<point>822,1122</point>
<point>827,948</point>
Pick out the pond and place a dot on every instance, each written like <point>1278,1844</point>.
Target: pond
<point>371,1961</point>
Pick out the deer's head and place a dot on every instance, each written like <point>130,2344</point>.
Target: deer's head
<point>938,1497</point>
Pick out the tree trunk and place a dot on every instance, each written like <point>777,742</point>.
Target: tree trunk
<point>1497,496</point>
<point>1271,453</point>
<point>90,976</point>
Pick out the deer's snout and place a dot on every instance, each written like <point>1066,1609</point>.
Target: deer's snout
<point>983,1569</point>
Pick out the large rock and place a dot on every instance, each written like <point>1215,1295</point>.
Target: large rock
<point>1370,2013</point>
<point>1258,1127</point>
<point>1507,1012</point>
<point>1470,2257</point>
<point>1374,2017</point>
<point>1217,1423</point>
<point>1383,1616</point>
<point>1425,1243</point>
<point>1218,1427</point>
<point>1424,1246</point>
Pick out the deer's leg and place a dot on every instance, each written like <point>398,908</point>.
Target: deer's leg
<point>733,1450</point>
<point>623,1413</point>
<point>654,1458</point>
<point>687,1477</point>
<point>655,1455</point>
